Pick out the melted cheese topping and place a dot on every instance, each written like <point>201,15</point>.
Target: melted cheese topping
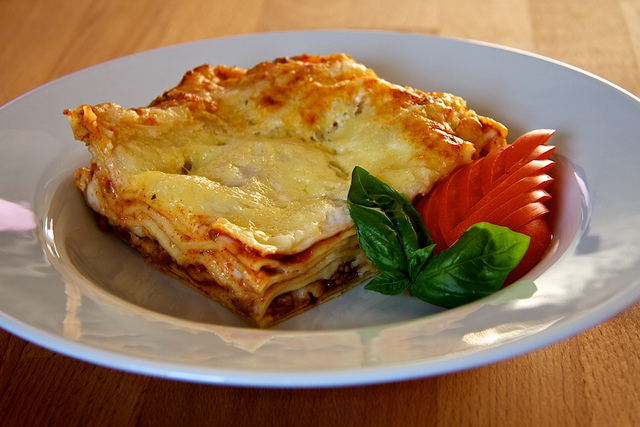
<point>265,155</point>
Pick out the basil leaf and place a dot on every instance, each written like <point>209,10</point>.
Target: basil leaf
<point>378,239</point>
<point>418,259</point>
<point>473,267</point>
<point>392,235</point>
<point>389,283</point>
<point>389,229</point>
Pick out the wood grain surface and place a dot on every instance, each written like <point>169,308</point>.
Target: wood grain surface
<point>592,379</point>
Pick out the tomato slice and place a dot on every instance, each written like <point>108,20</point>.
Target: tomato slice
<point>525,144</point>
<point>496,214</point>
<point>495,207</point>
<point>430,214</point>
<point>538,231</point>
<point>506,187</point>
<point>518,218</point>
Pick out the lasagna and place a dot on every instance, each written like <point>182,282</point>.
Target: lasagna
<point>235,181</point>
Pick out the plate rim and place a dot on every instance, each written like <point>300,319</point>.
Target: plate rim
<point>318,378</point>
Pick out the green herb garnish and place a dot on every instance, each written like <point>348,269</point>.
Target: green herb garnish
<point>392,235</point>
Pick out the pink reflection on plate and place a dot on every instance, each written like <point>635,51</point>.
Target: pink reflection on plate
<point>15,217</point>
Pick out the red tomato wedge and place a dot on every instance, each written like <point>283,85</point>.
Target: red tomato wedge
<point>506,187</point>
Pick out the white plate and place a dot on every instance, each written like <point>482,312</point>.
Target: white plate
<point>70,288</point>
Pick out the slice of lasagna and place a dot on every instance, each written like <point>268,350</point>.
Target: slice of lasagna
<point>235,181</point>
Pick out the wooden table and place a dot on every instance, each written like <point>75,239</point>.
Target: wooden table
<point>590,379</point>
